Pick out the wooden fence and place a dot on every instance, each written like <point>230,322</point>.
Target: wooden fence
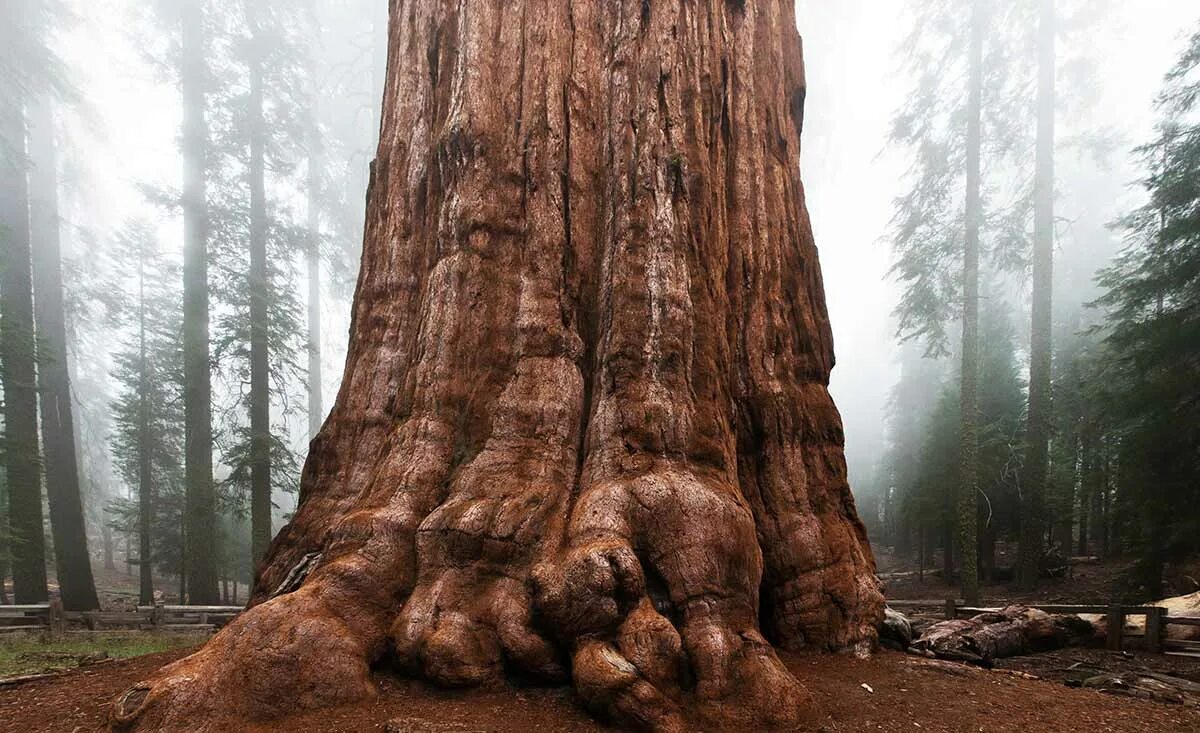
<point>51,618</point>
<point>1154,639</point>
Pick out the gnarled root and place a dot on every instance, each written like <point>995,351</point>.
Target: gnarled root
<point>292,653</point>
<point>657,594</point>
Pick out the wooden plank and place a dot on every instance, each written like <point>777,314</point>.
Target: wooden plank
<point>57,623</point>
<point>11,629</point>
<point>1072,610</point>
<point>1182,620</point>
<point>1182,644</point>
<point>1155,630</point>
<point>910,603</point>
<point>1062,609</point>
<point>204,609</point>
<point>35,607</point>
<point>232,610</point>
<point>1116,628</point>
<point>116,618</point>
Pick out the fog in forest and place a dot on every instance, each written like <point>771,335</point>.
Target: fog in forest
<point>290,95</point>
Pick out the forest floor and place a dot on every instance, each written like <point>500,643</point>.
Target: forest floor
<point>27,654</point>
<point>1088,584</point>
<point>889,692</point>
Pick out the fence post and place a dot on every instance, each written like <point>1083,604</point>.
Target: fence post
<point>157,615</point>
<point>1116,628</point>
<point>1155,616</point>
<point>54,618</point>
<point>951,609</point>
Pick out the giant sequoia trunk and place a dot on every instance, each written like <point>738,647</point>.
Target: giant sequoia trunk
<point>584,430</point>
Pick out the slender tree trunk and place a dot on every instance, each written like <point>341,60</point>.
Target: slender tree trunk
<point>987,552</point>
<point>585,413</point>
<point>17,356</point>
<point>1087,488</point>
<point>379,70</point>
<point>260,376</point>
<point>948,547</point>
<point>144,458</point>
<point>1041,346</point>
<point>200,505</point>
<point>110,562</point>
<point>67,524</point>
<point>1096,532</point>
<point>968,495</point>
<point>1106,482</point>
<point>316,407</point>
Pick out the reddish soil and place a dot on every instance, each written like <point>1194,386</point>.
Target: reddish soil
<point>909,694</point>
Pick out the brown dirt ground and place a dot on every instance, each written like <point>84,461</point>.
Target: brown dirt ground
<point>910,694</point>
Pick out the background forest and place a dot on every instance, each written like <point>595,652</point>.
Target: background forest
<point>1006,196</point>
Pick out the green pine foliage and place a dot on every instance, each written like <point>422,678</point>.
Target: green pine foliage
<point>925,456</point>
<point>148,410</point>
<point>1147,380</point>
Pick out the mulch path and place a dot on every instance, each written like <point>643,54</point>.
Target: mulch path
<point>906,694</point>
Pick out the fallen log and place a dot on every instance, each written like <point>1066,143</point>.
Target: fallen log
<point>1010,632</point>
<point>1147,686</point>
<point>896,631</point>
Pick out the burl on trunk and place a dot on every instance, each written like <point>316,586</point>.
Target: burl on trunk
<point>584,431</point>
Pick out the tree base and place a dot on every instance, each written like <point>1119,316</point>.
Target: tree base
<point>653,645</point>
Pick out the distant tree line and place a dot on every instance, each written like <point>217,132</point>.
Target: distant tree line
<point>212,381</point>
<point>1084,438</point>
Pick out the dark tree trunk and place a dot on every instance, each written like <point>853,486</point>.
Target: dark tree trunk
<point>987,552</point>
<point>110,562</point>
<point>260,366</point>
<point>948,546</point>
<point>17,354</point>
<point>200,509</point>
<point>584,431</point>
<point>1037,432</point>
<point>145,489</point>
<point>316,403</point>
<point>67,525</point>
<point>1087,488</point>
<point>968,493</point>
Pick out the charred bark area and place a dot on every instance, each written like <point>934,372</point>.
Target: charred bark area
<point>584,431</point>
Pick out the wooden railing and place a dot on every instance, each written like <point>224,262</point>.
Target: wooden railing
<point>50,617</point>
<point>1154,640</point>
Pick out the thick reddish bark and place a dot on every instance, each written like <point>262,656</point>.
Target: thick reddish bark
<point>584,429</point>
